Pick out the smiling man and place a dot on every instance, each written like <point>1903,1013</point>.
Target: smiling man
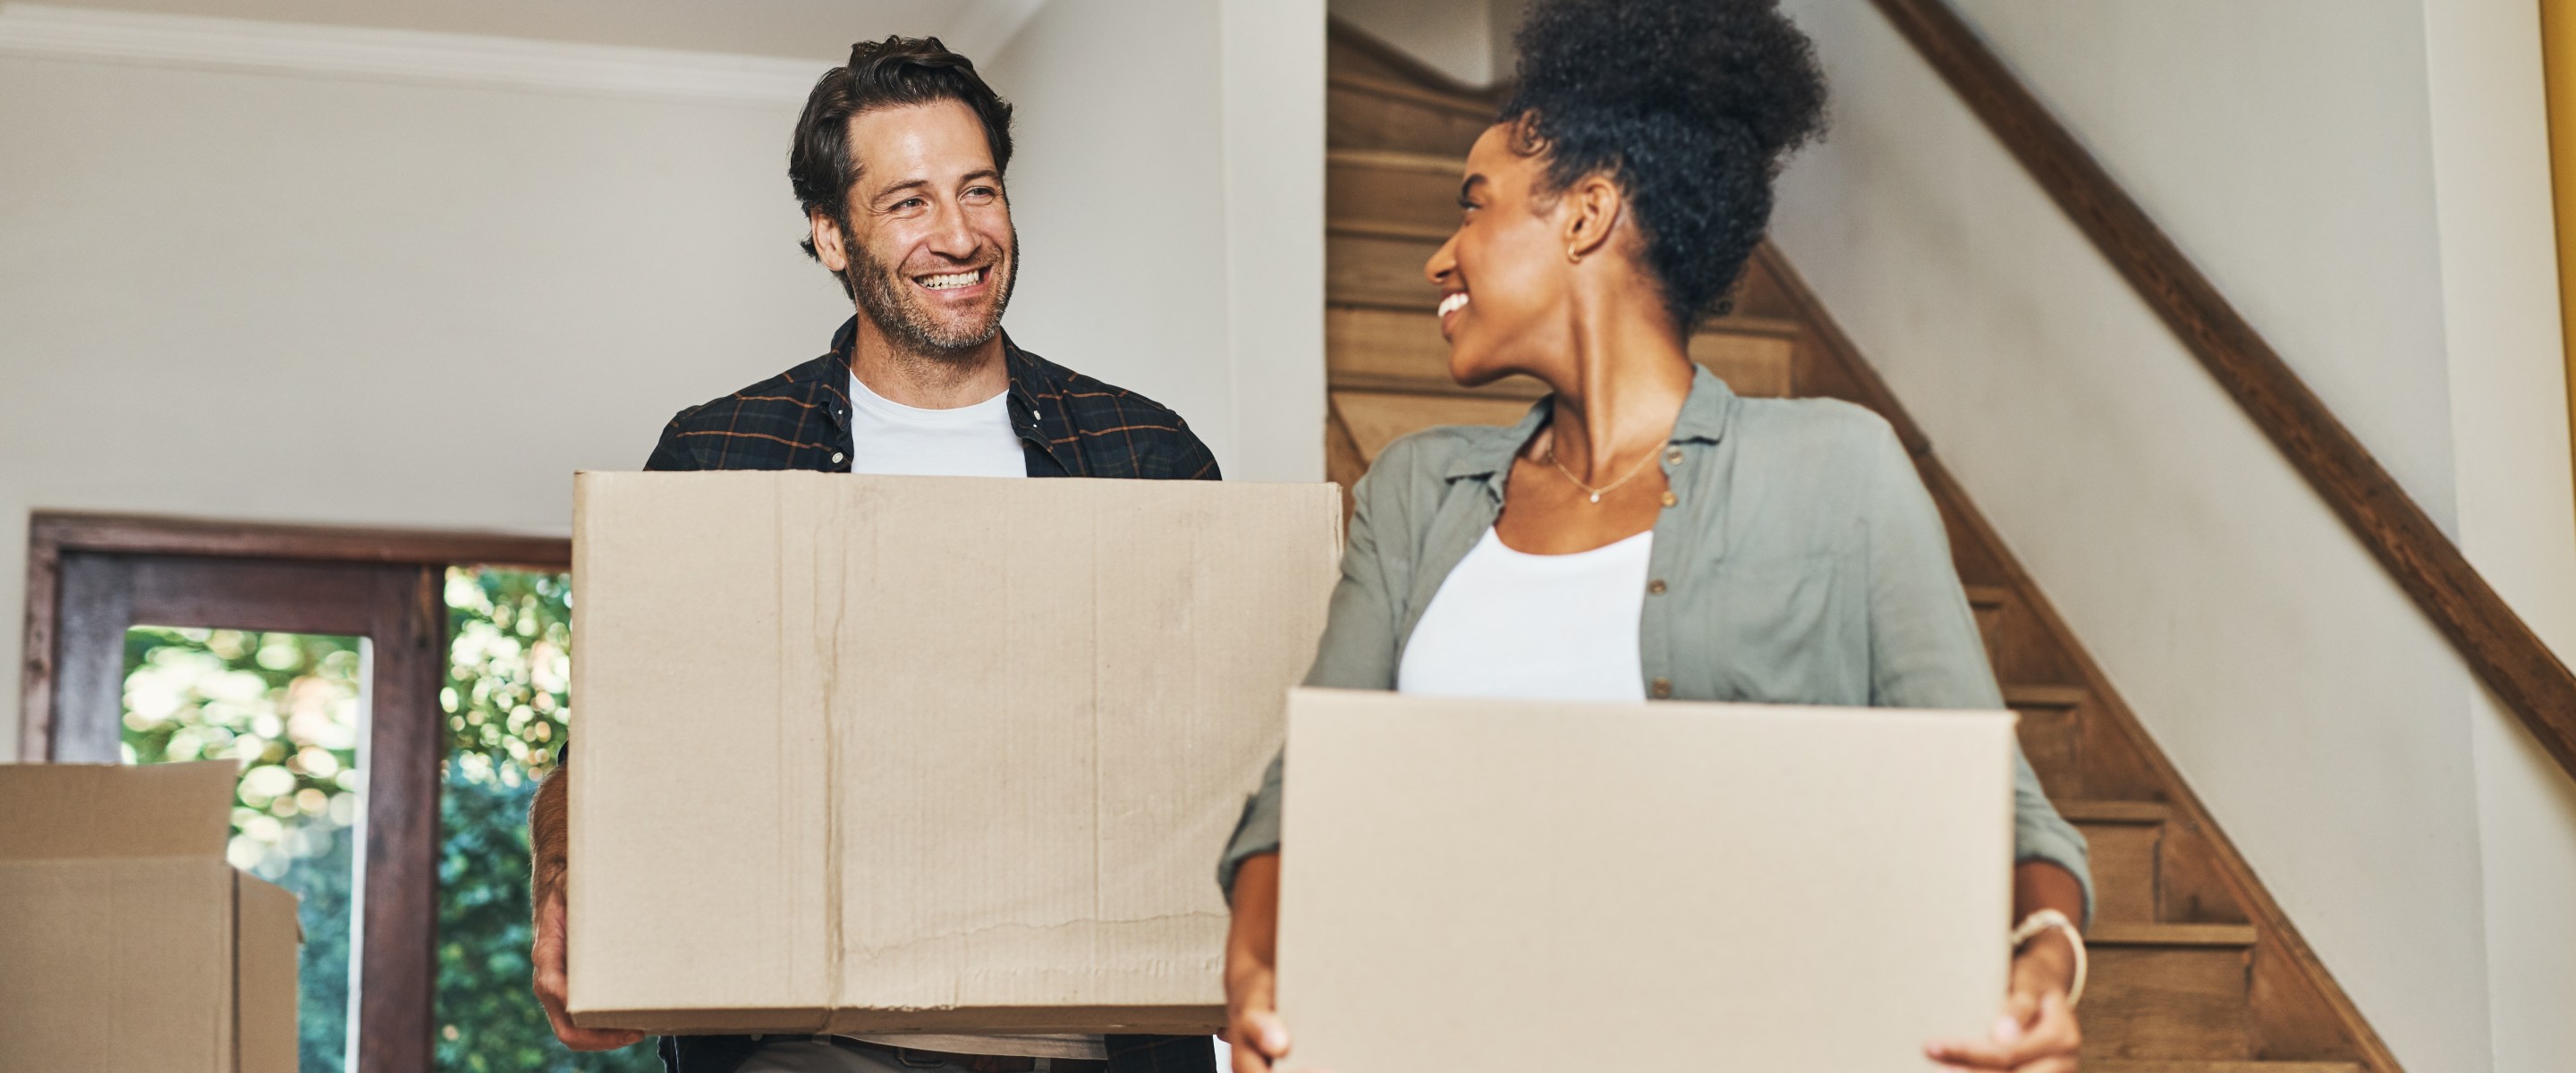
<point>898,163</point>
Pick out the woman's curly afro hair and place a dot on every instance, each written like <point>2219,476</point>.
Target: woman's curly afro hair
<point>1690,106</point>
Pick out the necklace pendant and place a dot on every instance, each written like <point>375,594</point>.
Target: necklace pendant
<point>1596,497</point>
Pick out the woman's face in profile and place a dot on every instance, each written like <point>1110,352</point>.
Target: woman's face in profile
<point>1502,277</point>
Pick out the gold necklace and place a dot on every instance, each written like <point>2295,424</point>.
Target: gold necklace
<point>1597,492</point>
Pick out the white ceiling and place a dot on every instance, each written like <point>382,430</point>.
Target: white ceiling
<point>798,29</point>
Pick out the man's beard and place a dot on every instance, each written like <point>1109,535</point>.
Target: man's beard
<point>888,301</point>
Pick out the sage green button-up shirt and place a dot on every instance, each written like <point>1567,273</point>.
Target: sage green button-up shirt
<point>1799,560</point>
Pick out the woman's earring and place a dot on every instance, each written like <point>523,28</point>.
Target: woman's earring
<point>1573,256</point>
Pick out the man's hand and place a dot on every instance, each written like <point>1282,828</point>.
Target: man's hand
<point>2037,1032</point>
<point>550,983</point>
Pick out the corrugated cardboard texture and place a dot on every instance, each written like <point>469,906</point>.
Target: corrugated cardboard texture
<point>126,942</point>
<point>264,983</point>
<point>60,811</point>
<point>896,753</point>
<point>117,964</point>
<point>1511,887</point>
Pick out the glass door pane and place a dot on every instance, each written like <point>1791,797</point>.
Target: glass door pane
<point>290,709</point>
<point>507,704</point>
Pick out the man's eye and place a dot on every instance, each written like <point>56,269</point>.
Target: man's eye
<point>908,203</point>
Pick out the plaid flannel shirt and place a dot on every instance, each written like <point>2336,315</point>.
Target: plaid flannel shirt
<point>1070,425</point>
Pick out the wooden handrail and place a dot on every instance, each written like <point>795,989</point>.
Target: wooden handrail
<point>2496,643</point>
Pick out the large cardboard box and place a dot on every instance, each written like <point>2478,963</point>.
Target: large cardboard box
<point>126,942</point>
<point>898,754</point>
<point>1511,886</point>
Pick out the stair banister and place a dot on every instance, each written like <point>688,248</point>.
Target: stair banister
<point>2506,655</point>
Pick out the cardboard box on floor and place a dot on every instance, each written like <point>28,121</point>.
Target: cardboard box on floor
<point>126,942</point>
<point>1511,887</point>
<point>923,754</point>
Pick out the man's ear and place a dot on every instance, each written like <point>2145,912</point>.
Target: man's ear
<point>1591,209</point>
<point>830,247</point>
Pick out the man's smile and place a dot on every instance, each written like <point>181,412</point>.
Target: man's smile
<point>951,282</point>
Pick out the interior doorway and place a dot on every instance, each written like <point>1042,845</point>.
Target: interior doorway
<point>151,638</point>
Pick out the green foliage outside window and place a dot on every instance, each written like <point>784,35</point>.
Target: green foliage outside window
<point>506,702</point>
<point>285,707</point>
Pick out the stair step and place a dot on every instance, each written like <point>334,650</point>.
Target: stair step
<point>1418,190</point>
<point>2139,934</point>
<point>1394,89</point>
<point>2126,840</point>
<point>1435,234</point>
<point>1378,270</point>
<point>2168,991</point>
<point>2115,812</point>
<point>1401,350</point>
<point>1376,418</point>
<point>1363,111</point>
<point>2037,695</point>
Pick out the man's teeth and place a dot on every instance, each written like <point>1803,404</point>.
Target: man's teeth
<point>953,280</point>
<point>1452,303</point>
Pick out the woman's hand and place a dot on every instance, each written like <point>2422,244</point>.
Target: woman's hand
<point>1252,1022</point>
<point>2037,1032</point>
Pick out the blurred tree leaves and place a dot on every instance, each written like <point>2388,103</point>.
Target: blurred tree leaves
<point>507,700</point>
<point>285,707</point>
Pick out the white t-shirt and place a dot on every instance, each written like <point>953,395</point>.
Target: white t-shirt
<point>1512,625</point>
<point>970,441</point>
<point>975,440</point>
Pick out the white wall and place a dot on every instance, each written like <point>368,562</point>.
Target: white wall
<point>334,298</point>
<point>2363,186</point>
<point>2517,496</point>
<point>1172,220</point>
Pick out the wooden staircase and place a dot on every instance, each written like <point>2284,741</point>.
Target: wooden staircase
<point>2195,969</point>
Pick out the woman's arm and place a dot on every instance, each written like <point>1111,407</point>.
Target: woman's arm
<point>1926,652</point>
<point>1251,968</point>
<point>1357,650</point>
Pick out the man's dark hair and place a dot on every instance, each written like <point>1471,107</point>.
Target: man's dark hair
<point>892,73</point>
<point>1690,106</point>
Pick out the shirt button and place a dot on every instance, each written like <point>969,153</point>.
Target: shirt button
<point>1673,457</point>
<point>1663,689</point>
<point>1655,587</point>
<point>836,458</point>
<point>1671,499</point>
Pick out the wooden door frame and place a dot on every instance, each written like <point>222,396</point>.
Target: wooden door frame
<point>383,584</point>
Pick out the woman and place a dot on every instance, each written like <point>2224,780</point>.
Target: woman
<point>1644,532</point>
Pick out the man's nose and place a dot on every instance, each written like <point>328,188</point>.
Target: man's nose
<point>949,234</point>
